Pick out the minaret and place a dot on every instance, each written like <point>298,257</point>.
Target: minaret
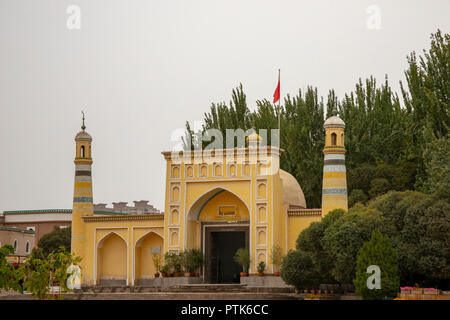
<point>334,189</point>
<point>82,196</point>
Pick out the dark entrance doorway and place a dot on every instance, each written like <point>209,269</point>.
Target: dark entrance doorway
<point>221,245</point>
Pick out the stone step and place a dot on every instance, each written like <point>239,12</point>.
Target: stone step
<point>186,288</point>
<point>208,288</point>
<point>183,296</point>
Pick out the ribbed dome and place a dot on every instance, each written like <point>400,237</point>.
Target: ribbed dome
<point>83,135</point>
<point>334,121</point>
<point>292,193</point>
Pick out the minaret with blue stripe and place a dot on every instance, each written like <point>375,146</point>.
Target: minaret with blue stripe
<point>82,195</point>
<point>334,189</point>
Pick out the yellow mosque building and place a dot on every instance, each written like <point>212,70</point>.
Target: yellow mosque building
<point>216,201</point>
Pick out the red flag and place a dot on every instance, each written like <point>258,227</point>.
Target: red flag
<point>276,95</point>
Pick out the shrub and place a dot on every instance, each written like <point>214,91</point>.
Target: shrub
<point>297,269</point>
<point>378,187</point>
<point>51,242</point>
<point>157,260</point>
<point>198,258</point>
<point>242,257</point>
<point>276,257</point>
<point>188,258</point>
<point>377,251</point>
<point>357,195</point>
<point>261,267</point>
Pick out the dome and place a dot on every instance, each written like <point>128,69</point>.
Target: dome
<point>292,193</point>
<point>83,135</point>
<point>254,137</point>
<point>334,121</point>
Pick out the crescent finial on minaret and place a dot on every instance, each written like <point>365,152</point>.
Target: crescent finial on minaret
<point>83,126</point>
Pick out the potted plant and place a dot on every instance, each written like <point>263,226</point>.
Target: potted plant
<point>165,270</point>
<point>276,258</point>
<point>157,260</point>
<point>261,268</point>
<point>169,258</point>
<point>198,260</point>
<point>188,263</point>
<point>177,259</point>
<point>242,257</point>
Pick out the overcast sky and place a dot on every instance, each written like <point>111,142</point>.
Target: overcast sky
<point>141,69</point>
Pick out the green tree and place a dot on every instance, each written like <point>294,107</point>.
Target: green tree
<point>40,274</point>
<point>9,276</point>
<point>310,242</point>
<point>379,252</point>
<point>437,168</point>
<point>297,269</point>
<point>357,195</point>
<point>344,238</point>
<point>419,231</point>
<point>378,187</point>
<point>51,242</point>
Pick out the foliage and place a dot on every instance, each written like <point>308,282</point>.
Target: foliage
<point>357,195</point>
<point>437,168</point>
<point>51,242</point>
<point>261,267</point>
<point>198,258</point>
<point>310,242</point>
<point>39,275</point>
<point>188,261</point>
<point>170,259</point>
<point>377,251</point>
<point>242,257</point>
<point>9,277</point>
<point>276,257</point>
<point>421,226</point>
<point>378,187</point>
<point>37,253</point>
<point>343,239</point>
<point>157,261</point>
<point>297,269</point>
<point>165,269</point>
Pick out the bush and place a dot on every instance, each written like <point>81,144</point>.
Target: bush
<point>261,267</point>
<point>377,251</point>
<point>344,238</point>
<point>297,269</point>
<point>157,260</point>
<point>357,195</point>
<point>52,241</point>
<point>242,257</point>
<point>198,258</point>
<point>311,242</point>
<point>276,257</point>
<point>378,187</point>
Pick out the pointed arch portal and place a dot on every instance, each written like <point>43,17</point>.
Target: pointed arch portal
<point>218,222</point>
<point>112,259</point>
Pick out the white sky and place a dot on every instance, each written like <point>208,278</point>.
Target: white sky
<point>141,69</point>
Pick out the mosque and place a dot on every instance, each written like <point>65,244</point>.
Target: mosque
<point>216,201</point>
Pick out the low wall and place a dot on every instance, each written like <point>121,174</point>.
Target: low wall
<point>264,281</point>
<point>165,282</point>
<point>421,294</point>
<point>112,283</point>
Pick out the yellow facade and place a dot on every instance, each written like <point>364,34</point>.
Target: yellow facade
<point>207,194</point>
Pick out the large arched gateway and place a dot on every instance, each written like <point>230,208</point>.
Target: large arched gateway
<point>218,222</point>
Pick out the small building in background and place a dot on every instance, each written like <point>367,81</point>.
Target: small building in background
<point>22,240</point>
<point>41,222</point>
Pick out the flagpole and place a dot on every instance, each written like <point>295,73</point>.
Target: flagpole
<point>279,106</point>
